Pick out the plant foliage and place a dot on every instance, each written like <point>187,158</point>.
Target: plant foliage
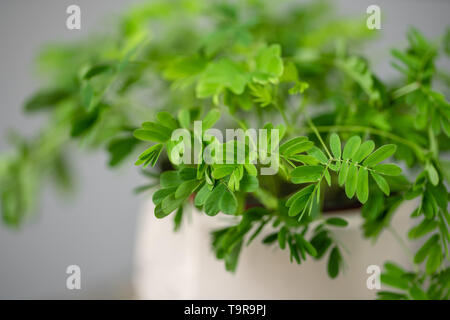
<point>255,64</point>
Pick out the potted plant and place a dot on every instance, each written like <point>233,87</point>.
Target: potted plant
<point>323,125</point>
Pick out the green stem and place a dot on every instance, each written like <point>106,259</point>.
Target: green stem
<point>405,90</point>
<point>281,110</point>
<point>283,114</point>
<point>316,132</point>
<point>404,246</point>
<point>267,199</point>
<point>420,152</point>
<point>433,143</point>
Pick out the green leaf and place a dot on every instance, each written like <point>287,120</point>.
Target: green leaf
<point>212,204</point>
<point>83,122</point>
<point>46,99</point>
<point>334,261</point>
<point>434,259</point>
<point>170,204</point>
<point>306,174</point>
<point>186,188</point>
<point>290,73</point>
<point>394,269</point>
<point>305,191</point>
<point>257,232</point>
<point>298,88</point>
<point>299,203</point>
<point>202,195</point>
<point>335,145</point>
<point>445,126</point>
<point>337,222</point>
<point>220,75</point>
<point>271,238</point>
<point>440,194</point>
<point>429,204</point>
<point>251,169</point>
<point>321,241</point>
<point>157,127</point>
<point>269,64</point>
<point>318,154</point>
<point>335,166</point>
<point>381,182</point>
<point>293,250</point>
<point>380,154</point>
<point>388,169</point>
<point>97,70</point>
<point>169,179</point>
<point>184,67</point>
<point>343,173</point>
<point>150,156</point>
<point>178,219</point>
<point>357,69</point>
<point>327,177</point>
<point>159,213</point>
<point>351,147</point>
<point>432,174</point>
<point>187,173</point>
<point>417,294</point>
<point>235,178</point>
<point>364,150</point>
<point>87,93</point>
<point>150,135</point>
<point>298,148</point>
<point>167,120</point>
<point>387,295</point>
<point>304,159</point>
<point>222,171</point>
<point>422,228</point>
<point>362,188</point>
<point>119,149</point>
<point>184,117</point>
<point>232,258</point>
<point>286,145</point>
<point>228,203</point>
<point>395,281</point>
<point>423,252</point>
<point>210,119</point>
<point>160,194</point>
<point>282,237</point>
<point>306,244</point>
<point>352,181</point>
<point>262,94</point>
<point>249,183</point>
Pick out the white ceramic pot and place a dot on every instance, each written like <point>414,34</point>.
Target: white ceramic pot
<point>182,265</point>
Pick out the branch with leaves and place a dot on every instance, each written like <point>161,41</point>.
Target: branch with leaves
<point>239,65</point>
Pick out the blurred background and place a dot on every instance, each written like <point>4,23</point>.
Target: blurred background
<point>95,227</point>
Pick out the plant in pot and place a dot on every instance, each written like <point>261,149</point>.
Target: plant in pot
<point>323,126</point>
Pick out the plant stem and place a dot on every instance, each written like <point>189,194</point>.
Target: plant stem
<point>266,198</point>
<point>420,152</point>
<point>316,132</point>
<point>283,114</point>
<point>405,90</point>
<point>403,245</point>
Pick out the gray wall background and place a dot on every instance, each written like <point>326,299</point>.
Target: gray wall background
<point>95,228</point>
